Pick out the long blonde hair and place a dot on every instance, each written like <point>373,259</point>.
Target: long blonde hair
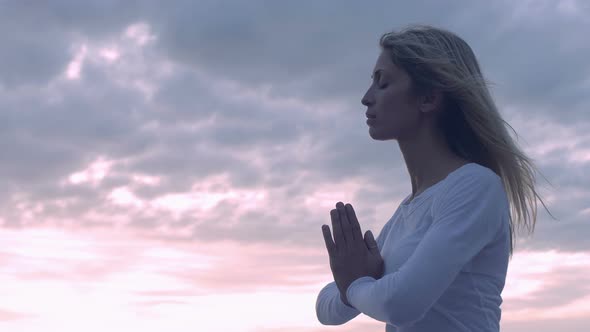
<point>471,123</point>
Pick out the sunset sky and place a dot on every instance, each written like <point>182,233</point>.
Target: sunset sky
<point>168,165</point>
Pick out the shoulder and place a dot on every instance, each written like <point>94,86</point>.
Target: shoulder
<point>471,184</point>
<point>473,174</point>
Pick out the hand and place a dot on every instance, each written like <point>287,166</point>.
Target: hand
<point>351,256</point>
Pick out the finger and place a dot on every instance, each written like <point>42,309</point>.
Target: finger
<point>372,245</point>
<point>354,224</point>
<point>330,246</point>
<point>337,229</point>
<point>346,229</point>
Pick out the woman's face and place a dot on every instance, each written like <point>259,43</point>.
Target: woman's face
<point>389,100</point>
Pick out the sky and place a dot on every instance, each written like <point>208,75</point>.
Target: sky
<point>167,166</point>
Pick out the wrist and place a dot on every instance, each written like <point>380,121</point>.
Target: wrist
<point>345,300</point>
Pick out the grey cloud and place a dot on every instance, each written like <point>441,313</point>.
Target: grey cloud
<point>313,51</point>
<point>60,135</point>
<point>317,52</point>
<point>309,45</point>
<point>36,39</point>
<point>26,58</point>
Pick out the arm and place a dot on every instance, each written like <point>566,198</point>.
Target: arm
<point>329,307</point>
<point>467,216</point>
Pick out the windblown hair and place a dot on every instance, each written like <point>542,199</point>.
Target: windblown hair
<point>435,58</point>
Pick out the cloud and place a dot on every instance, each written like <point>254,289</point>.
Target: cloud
<point>239,125</point>
<point>157,93</point>
<point>8,315</point>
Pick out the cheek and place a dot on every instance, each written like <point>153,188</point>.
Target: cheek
<point>398,97</point>
<point>386,97</point>
<point>392,102</point>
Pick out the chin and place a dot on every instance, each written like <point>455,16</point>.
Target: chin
<point>377,136</point>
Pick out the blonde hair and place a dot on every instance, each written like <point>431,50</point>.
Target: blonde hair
<point>474,129</point>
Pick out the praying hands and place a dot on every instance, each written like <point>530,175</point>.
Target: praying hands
<point>351,256</point>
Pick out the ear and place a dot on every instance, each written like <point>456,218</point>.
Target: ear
<point>431,101</point>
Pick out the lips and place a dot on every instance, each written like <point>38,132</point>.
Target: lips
<point>370,116</point>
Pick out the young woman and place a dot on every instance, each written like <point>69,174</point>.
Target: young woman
<point>440,262</point>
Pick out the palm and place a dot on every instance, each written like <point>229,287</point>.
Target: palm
<point>351,256</point>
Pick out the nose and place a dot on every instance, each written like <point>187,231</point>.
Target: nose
<point>365,100</point>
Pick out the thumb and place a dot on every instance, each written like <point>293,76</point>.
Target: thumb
<point>371,243</point>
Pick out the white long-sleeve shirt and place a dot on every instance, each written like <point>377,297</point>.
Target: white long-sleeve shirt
<point>446,257</point>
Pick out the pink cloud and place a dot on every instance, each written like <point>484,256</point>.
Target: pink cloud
<point>119,276</point>
<point>9,315</point>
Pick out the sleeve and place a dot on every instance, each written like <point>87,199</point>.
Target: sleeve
<point>329,308</point>
<point>466,217</point>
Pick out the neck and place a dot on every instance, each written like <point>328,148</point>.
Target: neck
<point>428,159</point>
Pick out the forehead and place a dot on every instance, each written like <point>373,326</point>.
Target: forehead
<point>384,64</point>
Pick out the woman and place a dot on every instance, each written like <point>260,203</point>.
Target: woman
<point>440,262</point>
